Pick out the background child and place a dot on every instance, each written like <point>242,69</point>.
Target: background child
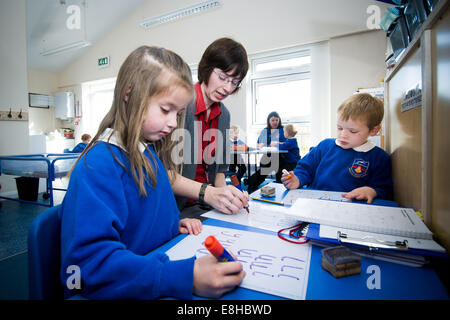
<point>349,163</point>
<point>119,205</point>
<point>288,161</point>
<point>85,139</point>
<point>237,145</point>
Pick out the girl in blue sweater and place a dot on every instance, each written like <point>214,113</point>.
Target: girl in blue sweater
<point>119,205</point>
<point>350,163</point>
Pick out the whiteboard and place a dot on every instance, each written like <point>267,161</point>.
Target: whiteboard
<point>272,265</point>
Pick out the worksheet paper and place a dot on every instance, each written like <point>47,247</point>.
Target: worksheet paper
<point>262,215</point>
<point>272,265</point>
<point>295,194</point>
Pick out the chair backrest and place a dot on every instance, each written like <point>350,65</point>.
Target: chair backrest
<point>44,256</point>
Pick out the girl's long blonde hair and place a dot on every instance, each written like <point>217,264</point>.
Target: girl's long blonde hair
<point>146,72</point>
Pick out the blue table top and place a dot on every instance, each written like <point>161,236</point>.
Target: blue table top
<point>395,281</point>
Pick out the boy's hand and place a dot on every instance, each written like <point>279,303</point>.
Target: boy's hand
<point>191,226</point>
<point>361,193</point>
<point>290,180</point>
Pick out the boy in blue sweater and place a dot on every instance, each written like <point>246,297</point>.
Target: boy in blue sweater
<point>119,206</point>
<point>350,163</point>
<point>85,139</point>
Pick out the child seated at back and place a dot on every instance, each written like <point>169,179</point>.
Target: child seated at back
<point>237,145</point>
<point>288,161</point>
<point>85,139</point>
<point>349,163</point>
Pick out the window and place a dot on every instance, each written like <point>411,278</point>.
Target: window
<point>97,101</point>
<point>281,81</point>
<point>194,71</point>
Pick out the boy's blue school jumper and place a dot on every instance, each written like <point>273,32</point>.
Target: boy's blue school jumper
<point>109,230</point>
<point>291,146</point>
<point>330,167</point>
<point>79,147</point>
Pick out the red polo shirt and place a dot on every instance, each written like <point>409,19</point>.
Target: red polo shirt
<point>209,139</point>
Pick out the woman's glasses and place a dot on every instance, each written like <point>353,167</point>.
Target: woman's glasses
<point>226,79</point>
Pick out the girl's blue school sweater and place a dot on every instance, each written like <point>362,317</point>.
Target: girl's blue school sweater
<point>330,167</point>
<point>109,231</point>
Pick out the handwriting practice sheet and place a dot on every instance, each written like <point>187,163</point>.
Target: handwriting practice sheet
<point>295,194</point>
<point>272,265</point>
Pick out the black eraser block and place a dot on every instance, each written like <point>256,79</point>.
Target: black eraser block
<point>339,255</point>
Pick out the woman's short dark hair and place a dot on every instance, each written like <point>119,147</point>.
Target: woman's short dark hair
<point>276,115</point>
<point>225,54</point>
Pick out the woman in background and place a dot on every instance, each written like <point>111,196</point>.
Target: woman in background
<point>270,136</point>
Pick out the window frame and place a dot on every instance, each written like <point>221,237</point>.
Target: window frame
<point>274,76</point>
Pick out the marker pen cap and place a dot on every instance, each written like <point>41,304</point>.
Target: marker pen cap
<point>216,249</point>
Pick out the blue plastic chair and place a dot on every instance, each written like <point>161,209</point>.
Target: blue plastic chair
<point>44,256</point>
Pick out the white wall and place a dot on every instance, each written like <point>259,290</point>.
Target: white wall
<point>356,61</point>
<point>259,26</point>
<point>13,80</point>
<point>42,120</point>
<point>13,76</point>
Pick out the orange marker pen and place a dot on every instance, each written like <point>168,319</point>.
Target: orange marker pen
<point>286,172</point>
<point>216,249</point>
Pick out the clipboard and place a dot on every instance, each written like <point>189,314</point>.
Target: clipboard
<point>396,251</point>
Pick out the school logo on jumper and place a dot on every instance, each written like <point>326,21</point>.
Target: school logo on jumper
<point>359,168</point>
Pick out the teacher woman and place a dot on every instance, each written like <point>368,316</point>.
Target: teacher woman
<point>223,66</point>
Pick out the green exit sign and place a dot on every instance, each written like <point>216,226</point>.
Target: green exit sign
<point>103,62</point>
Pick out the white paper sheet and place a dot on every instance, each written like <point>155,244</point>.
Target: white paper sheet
<point>295,194</point>
<point>264,216</point>
<point>370,218</point>
<point>272,265</point>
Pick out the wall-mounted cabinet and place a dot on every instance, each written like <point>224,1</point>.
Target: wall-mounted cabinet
<point>64,103</point>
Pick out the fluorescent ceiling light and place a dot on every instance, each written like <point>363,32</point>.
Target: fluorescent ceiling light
<point>68,47</point>
<point>180,13</point>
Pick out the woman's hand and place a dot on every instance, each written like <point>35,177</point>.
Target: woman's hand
<point>361,193</point>
<point>227,199</point>
<point>191,226</point>
<point>212,278</point>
